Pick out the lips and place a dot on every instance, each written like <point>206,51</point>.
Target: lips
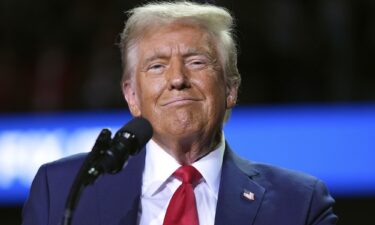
<point>180,101</point>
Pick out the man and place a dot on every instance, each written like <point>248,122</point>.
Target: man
<point>180,73</point>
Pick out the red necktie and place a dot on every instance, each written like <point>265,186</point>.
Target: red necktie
<point>182,209</point>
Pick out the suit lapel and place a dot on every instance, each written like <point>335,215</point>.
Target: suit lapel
<point>233,207</point>
<point>119,195</point>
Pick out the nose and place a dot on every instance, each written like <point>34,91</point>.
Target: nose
<point>178,78</point>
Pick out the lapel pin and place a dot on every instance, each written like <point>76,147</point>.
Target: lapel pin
<point>249,195</point>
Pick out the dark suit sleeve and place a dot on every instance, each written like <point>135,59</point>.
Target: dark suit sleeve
<point>36,208</point>
<point>321,212</point>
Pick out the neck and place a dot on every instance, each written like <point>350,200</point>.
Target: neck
<point>188,150</point>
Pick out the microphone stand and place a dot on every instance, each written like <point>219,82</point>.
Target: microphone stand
<point>87,174</point>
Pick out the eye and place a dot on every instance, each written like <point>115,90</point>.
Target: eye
<point>199,63</point>
<point>156,68</point>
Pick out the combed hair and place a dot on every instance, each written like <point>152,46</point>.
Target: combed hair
<point>216,20</point>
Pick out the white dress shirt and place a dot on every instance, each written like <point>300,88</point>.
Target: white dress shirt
<point>158,185</point>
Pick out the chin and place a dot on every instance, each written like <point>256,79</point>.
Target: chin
<point>184,129</point>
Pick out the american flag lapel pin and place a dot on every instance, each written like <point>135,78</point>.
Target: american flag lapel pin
<point>249,195</point>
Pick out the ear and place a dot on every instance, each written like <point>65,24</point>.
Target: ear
<point>129,93</point>
<point>231,96</point>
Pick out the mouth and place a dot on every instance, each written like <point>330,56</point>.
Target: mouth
<point>180,101</point>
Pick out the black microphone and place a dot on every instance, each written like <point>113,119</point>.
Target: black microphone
<point>129,140</point>
<point>108,156</point>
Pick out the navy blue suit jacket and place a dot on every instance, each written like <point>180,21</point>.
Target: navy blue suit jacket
<point>281,197</point>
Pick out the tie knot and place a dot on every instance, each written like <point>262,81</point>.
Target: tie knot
<point>188,174</point>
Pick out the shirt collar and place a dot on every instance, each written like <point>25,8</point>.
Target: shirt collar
<point>210,167</point>
<point>159,166</point>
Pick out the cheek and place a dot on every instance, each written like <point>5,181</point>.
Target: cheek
<point>149,91</point>
<point>214,86</point>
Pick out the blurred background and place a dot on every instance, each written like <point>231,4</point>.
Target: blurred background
<point>312,60</point>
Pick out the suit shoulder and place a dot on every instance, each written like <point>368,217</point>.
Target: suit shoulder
<point>64,166</point>
<point>68,160</point>
<point>285,177</point>
<point>278,171</point>
<point>303,192</point>
<point>271,175</point>
<point>272,172</point>
<point>59,174</point>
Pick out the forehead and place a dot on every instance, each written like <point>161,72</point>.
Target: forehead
<point>176,36</point>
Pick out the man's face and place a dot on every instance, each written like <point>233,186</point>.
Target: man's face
<point>178,83</point>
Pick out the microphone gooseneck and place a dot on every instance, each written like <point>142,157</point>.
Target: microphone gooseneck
<point>108,156</point>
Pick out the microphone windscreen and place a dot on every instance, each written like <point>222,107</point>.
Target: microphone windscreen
<point>141,128</point>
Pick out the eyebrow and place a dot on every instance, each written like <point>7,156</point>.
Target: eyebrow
<point>194,51</point>
<point>155,55</point>
<point>163,54</point>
